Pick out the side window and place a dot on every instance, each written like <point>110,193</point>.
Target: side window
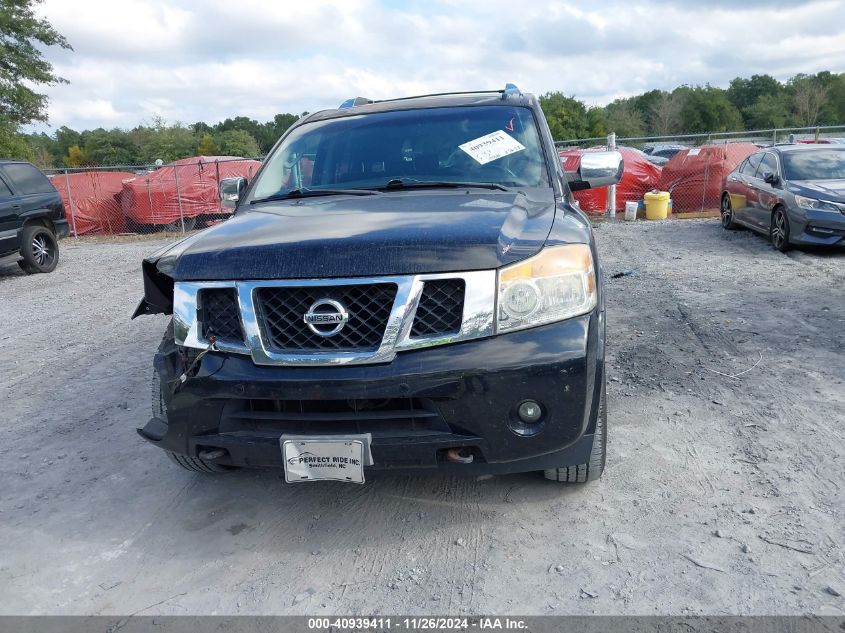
<point>5,192</point>
<point>751,164</point>
<point>27,179</point>
<point>768,164</point>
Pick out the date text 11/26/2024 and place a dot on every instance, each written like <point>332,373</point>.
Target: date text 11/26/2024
<point>416,624</point>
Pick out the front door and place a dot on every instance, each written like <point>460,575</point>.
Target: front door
<point>740,188</point>
<point>766,194</point>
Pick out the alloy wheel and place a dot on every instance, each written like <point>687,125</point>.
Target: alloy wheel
<point>727,212</point>
<point>42,250</point>
<point>778,229</point>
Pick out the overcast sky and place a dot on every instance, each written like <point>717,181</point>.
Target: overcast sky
<point>206,61</point>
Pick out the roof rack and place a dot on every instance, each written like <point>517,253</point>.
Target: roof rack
<point>510,90</point>
<point>356,101</point>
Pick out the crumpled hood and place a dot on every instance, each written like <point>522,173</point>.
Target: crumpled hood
<point>351,236</point>
<point>832,190</point>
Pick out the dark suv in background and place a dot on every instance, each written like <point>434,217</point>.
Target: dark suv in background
<point>32,218</point>
<point>405,285</point>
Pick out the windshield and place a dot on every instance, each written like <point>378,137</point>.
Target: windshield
<point>817,164</point>
<point>479,144</point>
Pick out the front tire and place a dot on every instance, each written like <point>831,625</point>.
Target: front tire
<point>779,230</point>
<point>727,213</point>
<point>39,249</point>
<point>197,464</point>
<point>592,470</point>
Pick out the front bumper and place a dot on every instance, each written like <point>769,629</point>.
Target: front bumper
<point>821,228</point>
<point>461,395</point>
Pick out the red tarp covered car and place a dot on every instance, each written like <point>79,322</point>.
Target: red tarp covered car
<point>693,177</point>
<point>190,183</point>
<point>93,205</point>
<point>639,176</point>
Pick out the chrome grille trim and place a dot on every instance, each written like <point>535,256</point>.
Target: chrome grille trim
<point>478,313</point>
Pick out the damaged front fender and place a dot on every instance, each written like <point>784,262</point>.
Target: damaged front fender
<point>158,290</point>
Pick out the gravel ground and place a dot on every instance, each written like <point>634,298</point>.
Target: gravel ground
<point>722,495</point>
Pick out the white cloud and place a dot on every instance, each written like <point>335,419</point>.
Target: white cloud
<point>137,59</point>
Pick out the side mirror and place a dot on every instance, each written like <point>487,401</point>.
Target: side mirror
<point>597,169</point>
<point>231,190</point>
<point>770,178</point>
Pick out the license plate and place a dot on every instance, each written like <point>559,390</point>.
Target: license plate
<point>321,460</point>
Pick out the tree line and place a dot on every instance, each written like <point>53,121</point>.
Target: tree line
<point>145,144</point>
<point>758,103</point>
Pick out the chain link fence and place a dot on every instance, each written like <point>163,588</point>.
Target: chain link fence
<point>691,167</point>
<point>147,199</point>
<point>183,196</point>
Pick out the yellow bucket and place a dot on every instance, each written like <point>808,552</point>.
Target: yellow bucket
<point>656,205</point>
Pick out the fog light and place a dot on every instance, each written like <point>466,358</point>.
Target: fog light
<point>529,412</point>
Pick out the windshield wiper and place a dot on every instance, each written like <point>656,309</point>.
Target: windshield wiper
<point>304,192</point>
<point>411,183</point>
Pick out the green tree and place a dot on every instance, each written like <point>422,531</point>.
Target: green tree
<point>624,119</point>
<point>13,144</point>
<point>567,116</point>
<point>809,95</point>
<point>207,146</point>
<point>707,109</point>
<point>76,157</point>
<point>664,114</point>
<point>262,133</point>
<point>22,65</point>
<point>65,137</point>
<point>237,143</point>
<point>595,122</point>
<point>278,126</point>
<point>42,158</point>
<point>165,142</point>
<point>109,147</point>
<point>767,112</point>
<point>745,92</point>
<point>833,111</point>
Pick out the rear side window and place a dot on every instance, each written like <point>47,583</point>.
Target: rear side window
<point>27,179</point>
<point>4,189</point>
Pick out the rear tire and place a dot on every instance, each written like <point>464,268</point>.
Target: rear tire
<point>592,470</point>
<point>39,249</point>
<point>196,464</point>
<point>779,230</point>
<point>727,213</point>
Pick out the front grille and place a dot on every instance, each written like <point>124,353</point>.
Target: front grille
<point>282,310</point>
<point>384,416</point>
<point>441,308</point>
<point>221,315</point>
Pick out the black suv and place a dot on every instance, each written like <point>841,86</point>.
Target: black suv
<point>32,218</point>
<point>404,285</point>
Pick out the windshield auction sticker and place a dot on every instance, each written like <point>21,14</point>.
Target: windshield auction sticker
<point>491,147</point>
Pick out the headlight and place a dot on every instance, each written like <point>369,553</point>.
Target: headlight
<point>819,205</point>
<point>558,283</point>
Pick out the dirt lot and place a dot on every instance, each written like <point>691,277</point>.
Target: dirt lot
<point>722,495</point>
